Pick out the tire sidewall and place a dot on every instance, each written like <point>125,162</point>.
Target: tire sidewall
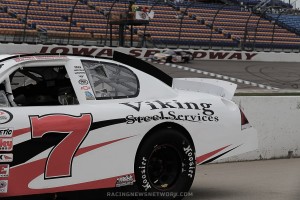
<point>186,152</point>
<point>169,59</point>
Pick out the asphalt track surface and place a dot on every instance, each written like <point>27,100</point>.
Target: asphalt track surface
<point>274,74</point>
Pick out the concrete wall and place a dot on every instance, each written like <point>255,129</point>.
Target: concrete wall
<point>147,53</point>
<point>277,120</point>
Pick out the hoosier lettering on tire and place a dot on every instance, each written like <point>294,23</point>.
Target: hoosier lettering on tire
<point>165,165</point>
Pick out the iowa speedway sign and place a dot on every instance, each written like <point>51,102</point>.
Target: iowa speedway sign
<point>147,53</point>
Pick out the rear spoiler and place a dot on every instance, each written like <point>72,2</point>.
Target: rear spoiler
<point>210,86</point>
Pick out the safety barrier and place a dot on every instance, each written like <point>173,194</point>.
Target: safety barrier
<point>276,120</point>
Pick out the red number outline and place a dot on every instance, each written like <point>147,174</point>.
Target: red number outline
<point>60,159</point>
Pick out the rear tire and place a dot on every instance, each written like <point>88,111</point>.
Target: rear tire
<point>165,165</point>
<point>169,59</point>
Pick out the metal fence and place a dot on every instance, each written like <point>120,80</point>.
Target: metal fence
<point>247,40</point>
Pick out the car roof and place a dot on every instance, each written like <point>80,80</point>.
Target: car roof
<point>117,56</point>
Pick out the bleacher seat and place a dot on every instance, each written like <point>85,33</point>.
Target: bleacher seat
<point>199,23</point>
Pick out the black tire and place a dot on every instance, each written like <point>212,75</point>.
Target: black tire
<point>186,60</point>
<point>169,59</point>
<point>165,165</point>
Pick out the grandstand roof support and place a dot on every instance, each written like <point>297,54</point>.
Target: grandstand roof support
<point>71,19</point>
<point>181,20</point>
<point>107,22</point>
<point>25,23</point>
<point>274,25</point>
<point>212,24</point>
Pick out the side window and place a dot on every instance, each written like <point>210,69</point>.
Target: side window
<point>109,80</point>
<point>42,86</point>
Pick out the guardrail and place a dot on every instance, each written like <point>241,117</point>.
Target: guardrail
<point>276,119</point>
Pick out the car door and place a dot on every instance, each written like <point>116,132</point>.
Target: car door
<point>45,128</point>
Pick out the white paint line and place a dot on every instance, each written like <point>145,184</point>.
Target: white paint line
<point>254,84</point>
<point>217,75</point>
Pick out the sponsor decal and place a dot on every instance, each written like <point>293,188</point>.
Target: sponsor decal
<point>77,67</point>
<point>89,95</point>
<point>171,115</point>
<point>85,87</point>
<point>145,183</point>
<point>80,72</point>
<point>155,105</point>
<point>205,113</point>
<point>147,53</point>
<point>5,116</point>
<point>83,82</point>
<point>36,148</point>
<point>6,132</point>
<point>76,128</point>
<point>3,186</point>
<point>4,158</point>
<point>4,170</point>
<point>6,144</point>
<point>80,76</point>
<point>192,165</point>
<point>124,181</point>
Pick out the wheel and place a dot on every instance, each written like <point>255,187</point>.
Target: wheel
<point>165,165</point>
<point>169,59</point>
<point>186,60</point>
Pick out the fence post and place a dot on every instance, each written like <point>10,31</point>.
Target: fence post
<point>25,23</point>
<point>212,24</point>
<point>71,19</point>
<point>255,33</point>
<point>107,22</point>
<point>275,22</point>
<point>246,31</point>
<point>181,20</point>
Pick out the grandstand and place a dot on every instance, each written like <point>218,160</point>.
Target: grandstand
<point>238,24</point>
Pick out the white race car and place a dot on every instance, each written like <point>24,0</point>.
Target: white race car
<point>175,56</point>
<point>78,123</point>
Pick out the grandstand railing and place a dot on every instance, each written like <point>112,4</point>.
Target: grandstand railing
<point>247,41</point>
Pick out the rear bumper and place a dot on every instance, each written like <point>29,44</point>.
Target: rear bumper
<point>246,143</point>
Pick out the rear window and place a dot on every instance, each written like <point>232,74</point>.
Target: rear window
<point>111,81</point>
